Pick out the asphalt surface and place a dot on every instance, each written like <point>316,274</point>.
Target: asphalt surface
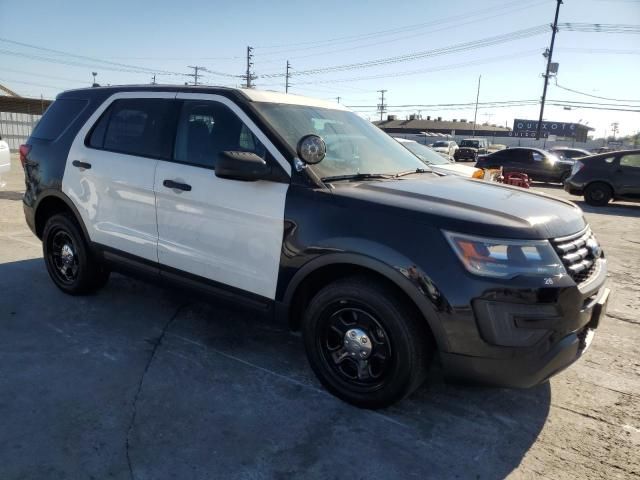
<point>138,381</point>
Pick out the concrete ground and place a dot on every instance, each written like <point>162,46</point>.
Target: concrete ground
<point>140,382</point>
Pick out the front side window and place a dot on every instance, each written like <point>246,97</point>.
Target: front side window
<point>630,160</point>
<point>140,126</point>
<point>206,129</point>
<point>354,145</point>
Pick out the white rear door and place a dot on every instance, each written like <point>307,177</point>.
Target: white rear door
<point>111,178</point>
<point>223,230</point>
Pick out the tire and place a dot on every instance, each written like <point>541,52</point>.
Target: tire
<point>598,194</point>
<point>69,262</point>
<point>400,345</point>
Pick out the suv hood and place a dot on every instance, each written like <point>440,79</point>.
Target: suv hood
<point>469,206</point>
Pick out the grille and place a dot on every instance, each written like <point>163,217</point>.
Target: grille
<point>579,253</point>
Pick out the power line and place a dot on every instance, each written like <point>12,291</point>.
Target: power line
<point>600,27</point>
<point>388,32</point>
<point>474,19</point>
<point>593,96</point>
<point>485,42</point>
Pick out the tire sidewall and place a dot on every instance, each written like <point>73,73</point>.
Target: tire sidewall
<point>54,225</point>
<point>400,379</point>
<point>597,202</point>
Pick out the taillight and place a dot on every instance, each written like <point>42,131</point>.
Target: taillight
<point>24,151</point>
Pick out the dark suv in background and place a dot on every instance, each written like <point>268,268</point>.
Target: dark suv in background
<point>605,177</point>
<point>470,148</point>
<point>538,164</point>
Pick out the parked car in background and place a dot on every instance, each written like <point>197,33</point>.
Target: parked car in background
<point>5,157</point>
<point>447,147</point>
<point>570,153</point>
<point>495,147</point>
<point>605,177</point>
<point>470,148</point>
<point>437,162</point>
<point>538,164</point>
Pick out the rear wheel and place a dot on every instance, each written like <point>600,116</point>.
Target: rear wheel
<point>598,194</point>
<point>69,262</point>
<point>364,343</point>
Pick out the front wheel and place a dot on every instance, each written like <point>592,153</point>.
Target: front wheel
<point>365,344</point>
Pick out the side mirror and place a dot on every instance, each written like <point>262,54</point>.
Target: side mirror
<point>245,166</point>
<point>311,149</point>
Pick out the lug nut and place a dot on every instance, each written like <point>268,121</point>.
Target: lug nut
<point>364,340</point>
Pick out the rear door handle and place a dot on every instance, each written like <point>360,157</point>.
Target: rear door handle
<point>177,185</point>
<point>79,164</point>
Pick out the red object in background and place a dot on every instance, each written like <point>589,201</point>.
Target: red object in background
<point>517,179</point>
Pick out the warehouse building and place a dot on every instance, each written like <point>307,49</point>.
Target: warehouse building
<point>415,124</point>
<point>18,117</point>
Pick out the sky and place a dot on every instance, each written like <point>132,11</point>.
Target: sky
<point>167,36</point>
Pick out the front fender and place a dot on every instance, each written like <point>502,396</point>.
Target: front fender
<point>404,273</point>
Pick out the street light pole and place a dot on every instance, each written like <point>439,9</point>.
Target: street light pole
<point>546,75</point>
<point>475,114</point>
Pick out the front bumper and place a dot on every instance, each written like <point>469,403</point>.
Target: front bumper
<point>579,308</point>
<point>465,155</point>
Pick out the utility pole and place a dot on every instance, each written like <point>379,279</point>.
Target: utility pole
<point>249,76</point>
<point>614,129</point>
<point>286,77</point>
<point>338,99</point>
<point>153,79</point>
<point>195,74</point>
<point>549,55</point>
<point>475,114</point>
<point>382,107</point>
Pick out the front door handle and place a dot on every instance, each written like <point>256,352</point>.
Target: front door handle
<point>177,185</point>
<point>79,164</point>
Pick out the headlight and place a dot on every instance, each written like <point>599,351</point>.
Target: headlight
<point>499,258</point>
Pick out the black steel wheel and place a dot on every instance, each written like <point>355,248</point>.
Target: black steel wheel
<point>69,262</point>
<point>367,344</point>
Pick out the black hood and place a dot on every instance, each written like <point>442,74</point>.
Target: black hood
<point>470,206</point>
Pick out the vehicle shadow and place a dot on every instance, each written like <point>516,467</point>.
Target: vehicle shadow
<point>199,389</point>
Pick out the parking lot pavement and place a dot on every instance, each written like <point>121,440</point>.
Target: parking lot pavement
<point>140,382</point>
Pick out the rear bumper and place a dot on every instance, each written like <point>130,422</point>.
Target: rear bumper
<point>573,188</point>
<point>523,367</point>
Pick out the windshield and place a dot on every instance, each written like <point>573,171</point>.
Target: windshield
<point>470,143</point>
<point>440,144</point>
<point>354,145</point>
<point>425,154</point>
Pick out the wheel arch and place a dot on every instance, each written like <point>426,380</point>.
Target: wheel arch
<point>53,202</point>
<point>323,270</point>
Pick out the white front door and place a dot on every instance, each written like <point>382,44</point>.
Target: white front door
<point>223,230</point>
<point>111,166</point>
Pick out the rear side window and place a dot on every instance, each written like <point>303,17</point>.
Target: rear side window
<point>632,160</point>
<point>58,117</point>
<point>140,126</point>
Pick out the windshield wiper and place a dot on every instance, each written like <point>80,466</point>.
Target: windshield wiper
<point>411,172</point>
<point>356,176</point>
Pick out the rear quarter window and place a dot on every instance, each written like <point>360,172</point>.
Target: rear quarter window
<point>58,117</point>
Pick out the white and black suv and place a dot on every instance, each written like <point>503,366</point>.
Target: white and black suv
<point>302,209</point>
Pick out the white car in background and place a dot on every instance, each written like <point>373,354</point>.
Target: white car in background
<point>448,147</point>
<point>5,157</point>
<point>437,162</point>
